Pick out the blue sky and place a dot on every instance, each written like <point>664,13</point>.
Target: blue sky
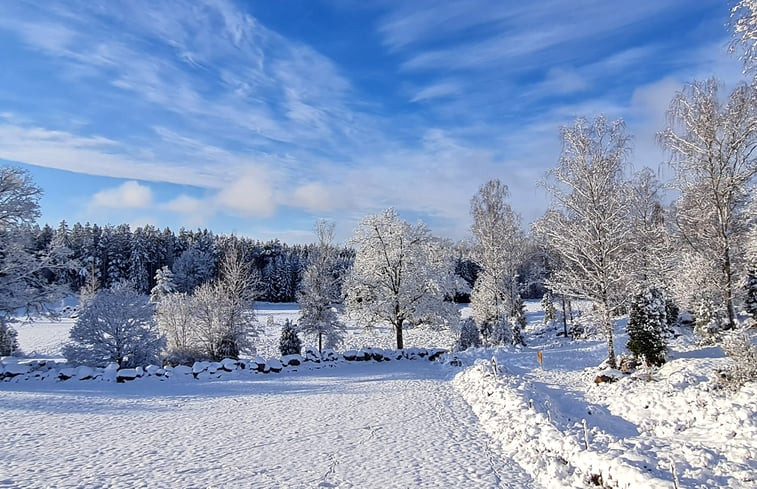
<point>260,117</point>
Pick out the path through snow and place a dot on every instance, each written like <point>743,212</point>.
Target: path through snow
<point>395,424</point>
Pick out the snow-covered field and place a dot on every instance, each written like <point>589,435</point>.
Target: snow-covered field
<point>43,339</point>
<point>393,424</point>
<point>389,424</point>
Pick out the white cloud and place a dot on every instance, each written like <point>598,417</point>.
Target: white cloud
<point>314,197</point>
<point>128,195</point>
<point>250,195</point>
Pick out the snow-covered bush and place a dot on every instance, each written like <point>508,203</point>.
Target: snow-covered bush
<point>8,341</point>
<point>707,322</point>
<point>469,335</point>
<point>116,325</point>
<point>289,342</point>
<point>740,348</point>
<point>647,326</point>
<point>175,321</point>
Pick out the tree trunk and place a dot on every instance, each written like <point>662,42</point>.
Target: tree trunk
<point>564,316</point>
<point>320,342</point>
<point>611,362</point>
<point>729,290</point>
<point>398,330</point>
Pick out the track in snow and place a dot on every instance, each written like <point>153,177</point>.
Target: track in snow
<point>397,424</point>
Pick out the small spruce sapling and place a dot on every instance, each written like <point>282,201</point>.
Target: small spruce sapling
<point>289,342</point>
<point>647,326</point>
<point>469,335</point>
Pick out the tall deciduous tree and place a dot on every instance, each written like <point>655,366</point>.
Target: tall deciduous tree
<point>498,248</point>
<point>712,145</point>
<point>27,273</point>
<point>588,225</point>
<point>401,274</point>
<point>224,309</point>
<point>320,290</point>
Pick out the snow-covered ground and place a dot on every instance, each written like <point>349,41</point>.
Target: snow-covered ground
<point>649,429</point>
<point>44,339</point>
<point>389,424</point>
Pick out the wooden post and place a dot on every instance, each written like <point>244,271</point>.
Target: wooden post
<point>540,359</point>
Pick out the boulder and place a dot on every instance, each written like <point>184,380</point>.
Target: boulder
<point>182,370</point>
<point>154,371</point>
<point>601,379</point>
<point>66,373</point>
<point>350,355</point>
<point>312,355</point>
<point>273,365</point>
<point>292,360</point>
<point>126,374</point>
<point>84,373</point>
<point>229,365</point>
<point>435,354</point>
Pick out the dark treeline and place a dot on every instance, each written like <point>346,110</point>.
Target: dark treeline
<point>112,254</point>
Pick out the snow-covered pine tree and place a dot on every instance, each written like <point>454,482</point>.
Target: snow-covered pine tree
<point>502,331</point>
<point>164,285</point>
<point>647,326</point>
<point>115,326</point>
<point>8,338</point>
<point>750,303</point>
<point>518,321</point>
<point>289,342</point>
<point>469,335</point>
<point>548,305</point>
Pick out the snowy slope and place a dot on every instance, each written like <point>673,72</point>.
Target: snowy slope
<point>649,429</point>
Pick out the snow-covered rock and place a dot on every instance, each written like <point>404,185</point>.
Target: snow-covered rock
<point>292,360</point>
<point>126,374</point>
<point>273,365</point>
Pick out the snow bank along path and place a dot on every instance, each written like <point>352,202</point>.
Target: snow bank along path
<point>390,424</point>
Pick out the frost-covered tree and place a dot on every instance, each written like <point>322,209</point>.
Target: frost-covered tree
<point>8,339</point>
<point>164,285</point>
<point>647,326</point>
<point>289,342</point>
<point>320,290</point>
<point>588,223</point>
<point>469,335</point>
<point>115,326</point>
<point>224,309</point>
<point>401,274</point>
<point>712,145</point>
<point>499,250</point>
<point>27,273</point>
<point>650,250</point>
<point>174,315</point>
<point>740,348</point>
<point>744,22</point>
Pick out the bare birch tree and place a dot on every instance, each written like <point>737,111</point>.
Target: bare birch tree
<point>499,249</point>
<point>712,145</point>
<point>588,223</point>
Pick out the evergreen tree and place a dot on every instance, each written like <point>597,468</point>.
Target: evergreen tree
<point>647,326</point>
<point>289,342</point>
<point>164,285</point>
<point>469,335</point>
<point>8,339</point>
<point>518,321</point>
<point>751,292</point>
